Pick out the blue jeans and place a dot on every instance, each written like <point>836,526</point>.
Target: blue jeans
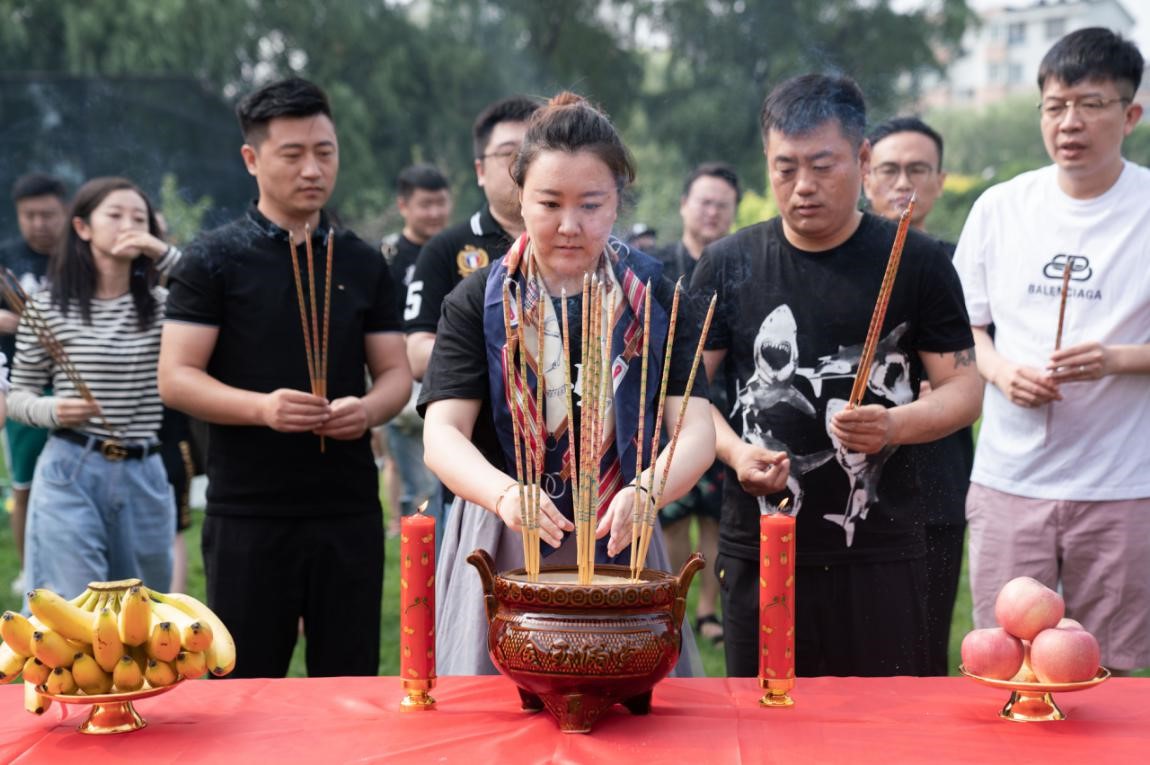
<point>91,519</point>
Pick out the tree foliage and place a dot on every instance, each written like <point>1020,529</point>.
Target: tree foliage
<point>407,78</point>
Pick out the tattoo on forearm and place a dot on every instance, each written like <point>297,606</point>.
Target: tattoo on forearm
<point>964,358</point>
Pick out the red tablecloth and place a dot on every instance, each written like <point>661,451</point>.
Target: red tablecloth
<point>711,721</point>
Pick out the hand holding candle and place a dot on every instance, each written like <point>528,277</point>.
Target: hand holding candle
<point>777,607</point>
<point>417,609</point>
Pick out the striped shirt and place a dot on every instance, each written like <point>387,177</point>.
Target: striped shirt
<point>112,356</point>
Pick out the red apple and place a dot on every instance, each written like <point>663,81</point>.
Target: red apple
<point>1026,607</point>
<point>991,653</point>
<point>1064,656</point>
<point>1069,624</point>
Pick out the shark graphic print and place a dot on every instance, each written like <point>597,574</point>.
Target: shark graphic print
<point>773,384</point>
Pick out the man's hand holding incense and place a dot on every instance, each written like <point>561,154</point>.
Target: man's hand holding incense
<point>1026,386</point>
<point>348,419</point>
<point>1076,363</point>
<point>618,520</point>
<point>552,524</point>
<point>74,412</point>
<point>864,429</point>
<point>761,471</point>
<point>293,411</point>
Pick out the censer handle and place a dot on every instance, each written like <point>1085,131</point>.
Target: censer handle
<point>484,564</point>
<point>694,565</point>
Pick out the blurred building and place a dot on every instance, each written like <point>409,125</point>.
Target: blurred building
<point>1001,54</point>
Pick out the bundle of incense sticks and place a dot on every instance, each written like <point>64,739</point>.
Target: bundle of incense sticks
<point>858,390</point>
<point>527,426</point>
<point>315,333</point>
<point>19,301</point>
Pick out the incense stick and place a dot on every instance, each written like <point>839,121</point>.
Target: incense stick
<point>858,390</point>
<point>567,394</point>
<point>517,432</point>
<point>540,422</point>
<point>648,526</point>
<point>686,397</point>
<point>1066,271</point>
<point>640,443</point>
<point>304,324</point>
<point>19,300</point>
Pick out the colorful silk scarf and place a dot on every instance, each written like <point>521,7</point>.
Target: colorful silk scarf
<point>627,271</point>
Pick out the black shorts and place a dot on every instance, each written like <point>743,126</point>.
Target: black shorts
<point>863,619</point>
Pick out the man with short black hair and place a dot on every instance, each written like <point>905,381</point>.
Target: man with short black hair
<point>485,236</point>
<point>795,299</point>
<point>1057,259</point>
<point>906,158</point>
<point>424,201</point>
<point>42,215</point>
<point>294,527</point>
<point>707,207</point>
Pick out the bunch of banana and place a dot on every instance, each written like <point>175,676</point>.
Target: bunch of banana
<point>115,637</point>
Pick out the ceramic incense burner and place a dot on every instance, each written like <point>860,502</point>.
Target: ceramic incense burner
<point>579,649</point>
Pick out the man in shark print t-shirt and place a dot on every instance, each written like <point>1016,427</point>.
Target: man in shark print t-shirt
<point>796,294</point>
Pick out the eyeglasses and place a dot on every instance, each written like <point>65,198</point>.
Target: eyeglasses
<point>1088,107</point>
<point>915,171</point>
<point>503,155</point>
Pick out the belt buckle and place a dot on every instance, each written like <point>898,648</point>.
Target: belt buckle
<point>113,450</point>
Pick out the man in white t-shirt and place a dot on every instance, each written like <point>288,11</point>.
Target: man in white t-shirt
<point>1061,483</point>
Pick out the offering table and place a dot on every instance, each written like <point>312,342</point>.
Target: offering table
<point>478,720</point>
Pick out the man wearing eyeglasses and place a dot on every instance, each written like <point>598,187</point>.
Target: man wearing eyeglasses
<point>470,245</point>
<point>906,158</point>
<point>1061,482</point>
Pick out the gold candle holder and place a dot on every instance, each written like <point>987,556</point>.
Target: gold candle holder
<point>777,693</point>
<point>418,695</point>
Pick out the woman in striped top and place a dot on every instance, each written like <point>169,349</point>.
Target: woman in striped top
<point>101,507</point>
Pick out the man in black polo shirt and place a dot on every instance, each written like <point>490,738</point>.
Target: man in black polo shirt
<point>795,299</point>
<point>707,207</point>
<point>291,531</point>
<point>906,158</point>
<point>42,215</point>
<point>471,244</point>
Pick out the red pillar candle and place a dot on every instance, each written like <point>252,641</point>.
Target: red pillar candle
<point>776,608</point>
<point>417,609</point>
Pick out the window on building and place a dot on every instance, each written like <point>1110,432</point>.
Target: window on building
<point>992,73</point>
<point>1016,33</point>
<point>1055,28</point>
<point>1013,73</point>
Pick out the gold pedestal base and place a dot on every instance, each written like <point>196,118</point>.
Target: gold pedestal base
<point>1026,706</point>
<point>1034,702</point>
<point>777,693</point>
<point>418,698</point>
<point>116,717</point>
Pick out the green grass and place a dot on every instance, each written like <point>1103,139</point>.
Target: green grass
<point>713,660</point>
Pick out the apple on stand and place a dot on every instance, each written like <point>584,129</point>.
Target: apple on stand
<point>992,653</point>
<point>1064,655</point>
<point>1026,607</point>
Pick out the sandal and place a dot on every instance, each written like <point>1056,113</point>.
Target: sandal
<point>716,638</point>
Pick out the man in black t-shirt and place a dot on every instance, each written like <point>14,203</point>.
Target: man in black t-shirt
<point>294,528</point>
<point>796,296</point>
<point>468,246</point>
<point>42,216</point>
<point>707,207</point>
<point>906,158</point>
<point>424,201</point>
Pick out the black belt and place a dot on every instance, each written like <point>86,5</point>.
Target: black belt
<point>112,449</point>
